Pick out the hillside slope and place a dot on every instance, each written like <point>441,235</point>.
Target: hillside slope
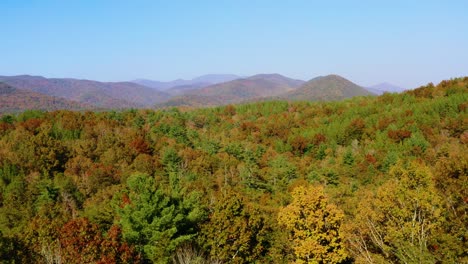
<point>99,94</point>
<point>236,91</point>
<point>326,88</point>
<point>16,100</point>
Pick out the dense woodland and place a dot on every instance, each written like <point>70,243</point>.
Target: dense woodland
<point>365,180</point>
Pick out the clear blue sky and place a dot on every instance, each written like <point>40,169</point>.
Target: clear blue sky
<point>408,43</point>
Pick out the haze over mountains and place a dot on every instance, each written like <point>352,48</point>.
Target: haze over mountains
<point>16,100</point>
<point>206,90</point>
<point>385,87</point>
<point>236,91</point>
<point>201,81</point>
<point>99,94</point>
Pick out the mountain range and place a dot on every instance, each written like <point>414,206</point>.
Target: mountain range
<point>203,91</point>
<point>236,91</point>
<point>14,100</point>
<point>201,81</point>
<point>99,94</point>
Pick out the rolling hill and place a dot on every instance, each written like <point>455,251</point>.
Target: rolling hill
<point>14,100</point>
<point>255,86</point>
<point>326,88</point>
<point>100,94</point>
<point>195,93</point>
<point>240,90</point>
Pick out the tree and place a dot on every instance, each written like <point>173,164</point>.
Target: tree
<point>12,250</point>
<point>236,232</point>
<point>313,226</point>
<point>155,221</point>
<point>82,242</point>
<point>114,250</point>
<point>399,222</point>
<point>281,173</point>
<point>451,179</point>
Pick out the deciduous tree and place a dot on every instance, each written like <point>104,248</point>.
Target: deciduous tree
<point>314,227</point>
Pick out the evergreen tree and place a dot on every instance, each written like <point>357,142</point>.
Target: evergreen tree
<point>155,221</point>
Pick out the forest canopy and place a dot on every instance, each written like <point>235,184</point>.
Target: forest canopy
<point>366,180</point>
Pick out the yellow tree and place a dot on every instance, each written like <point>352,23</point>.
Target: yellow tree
<point>237,232</point>
<point>313,226</point>
<point>399,222</point>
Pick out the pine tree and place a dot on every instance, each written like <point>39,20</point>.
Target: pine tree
<point>154,220</point>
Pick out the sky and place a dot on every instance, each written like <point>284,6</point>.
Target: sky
<point>407,43</point>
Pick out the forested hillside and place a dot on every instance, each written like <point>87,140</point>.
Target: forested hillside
<point>13,100</point>
<point>205,91</point>
<point>236,91</point>
<point>366,180</point>
<point>326,88</point>
<point>109,95</point>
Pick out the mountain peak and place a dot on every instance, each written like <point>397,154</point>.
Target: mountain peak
<point>331,87</point>
<point>329,76</point>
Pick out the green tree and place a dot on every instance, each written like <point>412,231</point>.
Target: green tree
<point>281,173</point>
<point>348,158</point>
<point>155,221</point>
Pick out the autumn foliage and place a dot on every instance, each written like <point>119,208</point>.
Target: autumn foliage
<point>366,180</point>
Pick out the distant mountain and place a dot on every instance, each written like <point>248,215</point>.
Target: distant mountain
<point>201,81</point>
<point>255,86</point>
<point>385,87</point>
<point>236,91</point>
<point>14,100</point>
<point>326,88</point>
<point>198,92</point>
<point>162,86</point>
<point>180,90</point>
<point>100,94</point>
<point>215,78</point>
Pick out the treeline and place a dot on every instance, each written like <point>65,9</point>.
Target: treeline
<point>367,180</point>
